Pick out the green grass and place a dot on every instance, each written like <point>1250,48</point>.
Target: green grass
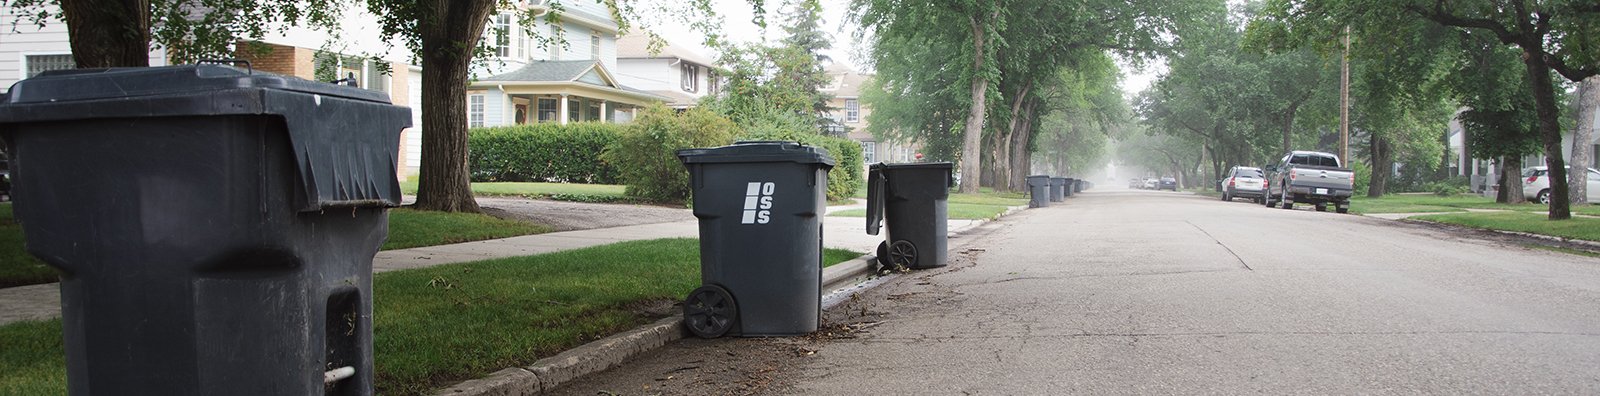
<point>557,191</point>
<point>407,229</point>
<point>441,325</point>
<point>1585,228</point>
<point>1428,203</point>
<point>17,267</point>
<point>413,228</point>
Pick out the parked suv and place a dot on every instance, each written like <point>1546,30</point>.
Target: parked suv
<point>1167,183</point>
<point>1537,186</point>
<point>1310,177</point>
<point>1244,181</point>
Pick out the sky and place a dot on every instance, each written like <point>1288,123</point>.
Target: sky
<point>737,26</point>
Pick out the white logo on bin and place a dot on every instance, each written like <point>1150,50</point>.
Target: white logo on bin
<point>758,202</point>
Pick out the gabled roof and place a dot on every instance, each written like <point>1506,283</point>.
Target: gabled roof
<point>636,45</point>
<point>846,83</point>
<point>558,71</point>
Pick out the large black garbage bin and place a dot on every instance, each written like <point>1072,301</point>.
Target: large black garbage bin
<point>1066,187</point>
<point>1058,187</point>
<point>914,200</point>
<point>760,206</point>
<point>1038,191</point>
<point>214,228</point>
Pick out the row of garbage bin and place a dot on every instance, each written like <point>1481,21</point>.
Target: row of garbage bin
<point>215,227</point>
<point>1044,189</point>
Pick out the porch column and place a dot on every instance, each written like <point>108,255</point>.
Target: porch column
<point>562,114</point>
<point>604,114</point>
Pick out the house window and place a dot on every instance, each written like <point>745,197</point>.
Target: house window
<point>574,109</point>
<point>377,79</point>
<point>594,47</point>
<point>547,109</point>
<point>522,43</point>
<point>502,35</point>
<point>869,151</point>
<point>713,82</point>
<point>475,110</point>
<point>852,110</point>
<point>690,77</point>
<point>555,46</point>
<point>42,63</point>
<point>594,112</point>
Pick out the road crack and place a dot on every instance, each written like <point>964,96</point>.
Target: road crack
<point>1224,245</point>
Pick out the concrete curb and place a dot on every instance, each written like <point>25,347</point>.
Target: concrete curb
<point>1579,242</point>
<point>550,372</point>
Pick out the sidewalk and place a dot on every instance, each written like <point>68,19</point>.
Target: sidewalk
<point>38,302</point>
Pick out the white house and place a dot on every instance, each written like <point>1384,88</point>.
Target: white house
<point>673,72</point>
<point>530,83</point>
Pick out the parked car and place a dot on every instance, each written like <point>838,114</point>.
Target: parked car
<point>1310,177</point>
<point>1135,183</point>
<point>1151,183</point>
<point>1244,181</point>
<point>1168,183</point>
<point>5,181</point>
<point>1537,187</point>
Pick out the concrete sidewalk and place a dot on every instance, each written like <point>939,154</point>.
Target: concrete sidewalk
<point>38,302</point>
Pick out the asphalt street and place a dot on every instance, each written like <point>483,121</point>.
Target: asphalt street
<point>1139,292</point>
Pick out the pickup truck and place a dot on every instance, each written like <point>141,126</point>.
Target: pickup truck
<point>1310,177</point>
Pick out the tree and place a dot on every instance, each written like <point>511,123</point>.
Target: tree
<point>1583,138</point>
<point>1498,110</point>
<point>804,29</point>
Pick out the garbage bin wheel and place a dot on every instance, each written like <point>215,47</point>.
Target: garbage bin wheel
<point>709,311</point>
<point>883,257</point>
<point>902,254</point>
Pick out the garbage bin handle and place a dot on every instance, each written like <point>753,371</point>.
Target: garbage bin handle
<point>875,200</point>
<point>231,61</point>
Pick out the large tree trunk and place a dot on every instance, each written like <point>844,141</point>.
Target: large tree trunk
<point>108,33</point>
<point>1021,158</point>
<point>1544,99</point>
<point>1382,167</point>
<point>1583,138</point>
<point>450,29</point>
<point>972,135</point>
<point>1288,126</point>
<point>1003,151</point>
<point>1510,178</point>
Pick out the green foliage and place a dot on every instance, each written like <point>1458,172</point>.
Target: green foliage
<point>1449,187</point>
<point>17,267</point>
<point>412,228</point>
<point>543,152</point>
<point>1363,177</point>
<point>762,79</point>
<point>646,154</point>
<point>847,174</point>
<point>188,36</point>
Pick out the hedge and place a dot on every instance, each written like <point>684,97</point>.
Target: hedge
<point>543,153</point>
<point>846,176</point>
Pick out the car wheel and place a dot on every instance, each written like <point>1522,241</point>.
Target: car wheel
<point>1543,197</point>
<point>1343,209</point>
<point>1285,200</point>
<point>1225,196</point>
<point>1322,207</point>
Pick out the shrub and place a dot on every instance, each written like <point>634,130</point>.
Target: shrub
<point>1449,187</point>
<point>846,176</point>
<point>543,152</point>
<point>1363,177</point>
<point>645,154</point>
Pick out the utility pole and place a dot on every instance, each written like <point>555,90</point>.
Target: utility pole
<point>1344,101</point>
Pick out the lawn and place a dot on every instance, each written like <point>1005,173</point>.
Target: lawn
<point>556,191</point>
<point>981,206</point>
<point>437,326</point>
<point>407,229</point>
<point>1429,203</point>
<point>1585,228</point>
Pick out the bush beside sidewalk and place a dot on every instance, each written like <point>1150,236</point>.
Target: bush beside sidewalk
<point>441,325</point>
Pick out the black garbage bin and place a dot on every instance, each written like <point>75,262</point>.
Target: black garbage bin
<point>214,227</point>
<point>1066,187</point>
<point>1038,191</point>
<point>760,206</point>
<point>1058,187</point>
<point>1077,186</point>
<point>913,199</point>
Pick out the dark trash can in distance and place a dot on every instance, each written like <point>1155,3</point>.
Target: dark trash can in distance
<point>913,201</point>
<point>760,206</point>
<point>214,228</point>
<point>1067,187</point>
<point>1058,187</point>
<point>1038,191</point>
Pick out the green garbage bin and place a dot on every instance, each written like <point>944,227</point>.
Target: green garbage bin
<point>214,227</point>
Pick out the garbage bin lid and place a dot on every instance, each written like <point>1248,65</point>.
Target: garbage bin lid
<point>758,151</point>
<point>127,82</point>
<point>913,165</point>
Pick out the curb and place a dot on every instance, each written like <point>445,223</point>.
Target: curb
<point>1579,242</point>
<point>551,372</point>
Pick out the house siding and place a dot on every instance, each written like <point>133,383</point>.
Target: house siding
<point>654,74</point>
<point>31,39</point>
